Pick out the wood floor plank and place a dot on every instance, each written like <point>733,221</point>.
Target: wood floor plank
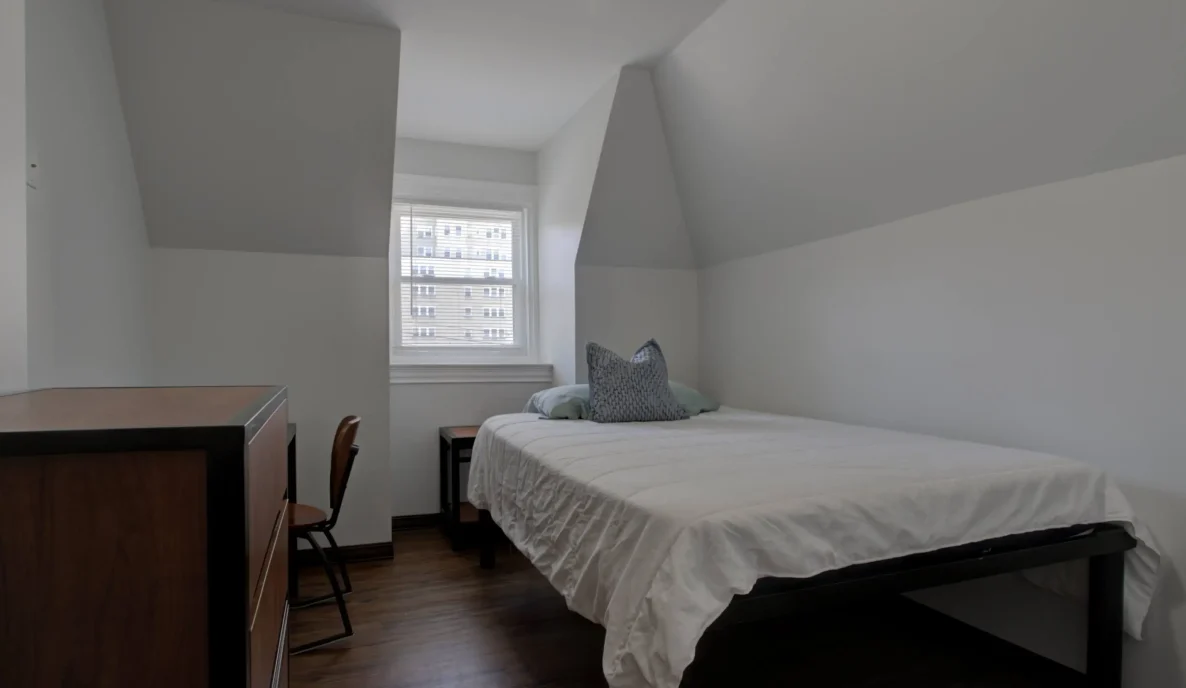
<point>432,619</point>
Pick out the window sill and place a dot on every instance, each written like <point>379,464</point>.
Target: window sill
<point>446,373</point>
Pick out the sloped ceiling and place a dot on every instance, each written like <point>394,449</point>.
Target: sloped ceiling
<point>510,73</point>
<point>795,120</point>
<point>258,130</point>
<point>634,217</point>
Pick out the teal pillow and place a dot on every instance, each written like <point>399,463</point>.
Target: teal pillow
<point>569,402</point>
<point>693,401</point>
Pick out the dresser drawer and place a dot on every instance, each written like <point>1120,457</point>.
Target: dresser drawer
<point>267,478</point>
<point>269,618</point>
<point>282,677</point>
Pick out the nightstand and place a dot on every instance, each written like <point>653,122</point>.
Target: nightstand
<point>460,519</point>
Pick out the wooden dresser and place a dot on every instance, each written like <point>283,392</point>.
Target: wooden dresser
<point>144,538</point>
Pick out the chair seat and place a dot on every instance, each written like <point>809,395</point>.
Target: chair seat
<point>303,516</point>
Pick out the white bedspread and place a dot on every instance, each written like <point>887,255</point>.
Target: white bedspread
<point>650,529</point>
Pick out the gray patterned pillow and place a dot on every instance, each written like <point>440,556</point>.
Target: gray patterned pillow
<point>622,391</point>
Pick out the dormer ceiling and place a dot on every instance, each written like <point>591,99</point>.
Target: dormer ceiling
<point>786,121</point>
<point>256,130</point>
<point>510,73</point>
<point>794,120</point>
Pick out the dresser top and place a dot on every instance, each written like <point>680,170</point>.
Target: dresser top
<point>115,408</point>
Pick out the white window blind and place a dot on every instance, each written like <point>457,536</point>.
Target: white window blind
<point>461,279</point>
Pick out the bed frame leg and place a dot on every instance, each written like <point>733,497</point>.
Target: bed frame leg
<point>1105,620</point>
<point>488,539</point>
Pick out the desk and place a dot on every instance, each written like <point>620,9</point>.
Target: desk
<point>292,496</point>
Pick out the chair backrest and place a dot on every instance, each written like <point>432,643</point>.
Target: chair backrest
<point>341,461</point>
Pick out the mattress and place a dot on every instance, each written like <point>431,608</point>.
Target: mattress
<point>650,529</point>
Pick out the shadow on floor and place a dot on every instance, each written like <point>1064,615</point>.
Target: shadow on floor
<point>432,619</point>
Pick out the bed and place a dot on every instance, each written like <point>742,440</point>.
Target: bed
<point>658,531</point>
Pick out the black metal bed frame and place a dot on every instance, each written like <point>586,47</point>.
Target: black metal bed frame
<point>1103,545</point>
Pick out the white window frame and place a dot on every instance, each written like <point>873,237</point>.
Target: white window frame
<point>411,364</point>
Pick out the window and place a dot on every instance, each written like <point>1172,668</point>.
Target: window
<point>477,236</point>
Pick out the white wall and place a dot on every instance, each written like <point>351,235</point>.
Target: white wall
<point>315,323</point>
<point>567,167</point>
<point>14,318</point>
<point>461,161</point>
<point>417,411</point>
<point>1051,318</point>
<point>258,130</point>
<point>634,276</point>
<point>271,137</point>
<point>88,250</point>
<point>620,308</point>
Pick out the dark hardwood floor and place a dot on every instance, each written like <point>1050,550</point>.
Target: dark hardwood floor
<point>433,619</point>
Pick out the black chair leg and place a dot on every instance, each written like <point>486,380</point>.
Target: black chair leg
<point>337,594</point>
<point>333,545</point>
<point>322,599</point>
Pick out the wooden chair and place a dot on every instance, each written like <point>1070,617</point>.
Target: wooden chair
<point>305,520</point>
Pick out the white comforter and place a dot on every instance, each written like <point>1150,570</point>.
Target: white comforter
<point>650,529</point>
